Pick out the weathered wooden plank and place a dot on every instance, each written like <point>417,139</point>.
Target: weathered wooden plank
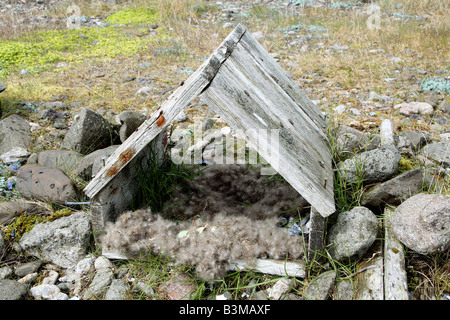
<point>395,278</point>
<point>271,266</point>
<point>193,86</point>
<point>248,97</point>
<point>371,281</point>
<point>316,234</point>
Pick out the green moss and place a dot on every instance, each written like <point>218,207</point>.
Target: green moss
<point>405,164</point>
<point>133,16</point>
<point>39,50</point>
<point>20,226</point>
<point>58,214</point>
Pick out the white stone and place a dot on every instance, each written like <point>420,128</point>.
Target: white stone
<point>14,155</point>
<point>102,263</point>
<point>280,288</point>
<point>45,291</point>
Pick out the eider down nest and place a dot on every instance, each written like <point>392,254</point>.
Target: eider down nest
<point>226,213</point>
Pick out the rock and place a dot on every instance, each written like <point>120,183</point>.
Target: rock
<point>84,265</point>
<point>353,233</point>
<point>117,291</point>
<point>145,288</point>
<point>2,87</point>
<point>130,121</point>
<point>48,292</point>
<point>280,288</point>
<point>102,263</point>
<point>422,223</point>
<point>12,290</point>
<point>144,92</point>
<point>344,290</point>
<point>338,47</point>
<point>180,287</point>
<point>406,109</point>
<point>63,241</point>
<point>396,190</point>
<point>47,184</point>
<point>5,272</point>
<point>424,108</point>
<point>411,139</point>
<point>444,107</point>
<point>14,133</point>
<point>99,284</point>
<point>27,268</point>
<point>28,279</point>
<point>51,277</point>
<point>371,166</point>
<point>93,162</point>
<point>321,287</point>
<point>14,155</point>
<point>387,133</point>
<point>65,160</point>
<point>411,108</point>
<point>89,132</point>
<point>438,151</point>
<point>11,209</point>
<point>350,140</point>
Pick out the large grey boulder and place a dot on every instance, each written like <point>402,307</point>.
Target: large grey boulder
<point>353,233</point>
<point>371,166</point>
<point>422,223</point>
<point>65,160</point>
<point>2,87</point>
<point>63,242</point>
<point>46,184</point>
<point>89,132</point>
<point>396,190</point>
<point>14,133</point>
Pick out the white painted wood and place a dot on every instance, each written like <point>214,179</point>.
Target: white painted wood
<point>273,267</point>
<point>395,278</point>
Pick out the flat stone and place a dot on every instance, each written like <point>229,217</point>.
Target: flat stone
<point>63,242</point>
<point>27,268</point>
<point>371,166</point>
<point>396,190</point>
<point>99,284</point>
<point>280,288</point>
<point>17,154</point>
<point>46,184</point>
<point>438,151</point>
<point>14,132</point>
<point>65,160</point>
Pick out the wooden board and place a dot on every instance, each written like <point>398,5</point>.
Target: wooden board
<point>193,86</point>
<point>253,94</point>
<point>242,83</point>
